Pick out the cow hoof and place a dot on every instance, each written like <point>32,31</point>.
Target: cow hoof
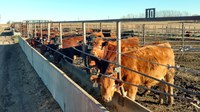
<point>161,102</point>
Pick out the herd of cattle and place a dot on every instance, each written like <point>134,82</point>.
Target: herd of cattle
<point>148,59</point>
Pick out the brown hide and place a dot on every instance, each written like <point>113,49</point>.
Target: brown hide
<point>140,60</point>
<point>98,34</point>
<point>100,51</point>
<point>71,42</point>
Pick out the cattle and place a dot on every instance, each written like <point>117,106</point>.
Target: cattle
<point>98,34</point>
<point>53,33</point>
<point>99,48</point>
<point>126,34</point>
<point>47,48</point>
<point>188,33</point>
<point>71,41</point>
<point>34,42</point>
<point>108,33</point>
<point>71,46</point>
<point>67,49</point>
<point>144,60</point>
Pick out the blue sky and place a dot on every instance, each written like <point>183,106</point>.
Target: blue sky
<point>18,10</point>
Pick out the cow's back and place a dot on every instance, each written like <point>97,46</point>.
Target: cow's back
<point>72,41</point>
<point>148,60</point>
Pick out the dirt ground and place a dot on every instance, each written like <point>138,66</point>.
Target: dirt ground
<point>21,89</point>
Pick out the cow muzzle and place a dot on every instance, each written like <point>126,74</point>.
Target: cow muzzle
<point>107,99</point>
<point>93,52</point>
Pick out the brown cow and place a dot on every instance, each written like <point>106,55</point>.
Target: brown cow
<point>98,50</point>
<point>98,34</point>
<point>142,62</point>
<point>71,42</point>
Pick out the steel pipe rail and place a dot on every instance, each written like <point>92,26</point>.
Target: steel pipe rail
<point>182,18</point>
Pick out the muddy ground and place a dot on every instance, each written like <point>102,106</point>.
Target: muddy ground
<point>21,89</point>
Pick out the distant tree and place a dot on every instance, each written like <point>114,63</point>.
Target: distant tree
<point>128,16</point>
<point>171,13</point>
<point>195,15</point>
<point>162,13</point>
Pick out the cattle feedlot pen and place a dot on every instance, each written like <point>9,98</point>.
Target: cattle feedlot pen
<point>192,101</point>
<point>197,94</point>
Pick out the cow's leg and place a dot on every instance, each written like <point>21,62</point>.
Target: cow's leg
<point>170,98</point>
<point>170,79</point>
<point>161,96</point>
<point>131,93</point>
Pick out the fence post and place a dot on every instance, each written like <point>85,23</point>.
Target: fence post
<point>35,34</point>
<point>27,29</point>
<point>60,29</point>
<point>100,26</point>
<point>31,25</point>
<point>84,42</point>
<point>84,32</point>
<point>155,33</point>
<point>162,31</point>
<point>49,28</point>
<point>41,31</point>
<point>170,30</point>
<point>183,41</point>
<point>143,33</point>
<point>166,31</point>
<point>119,54</point>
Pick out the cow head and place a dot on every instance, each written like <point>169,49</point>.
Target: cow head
<point>108,86</point>
<point>98,47</point>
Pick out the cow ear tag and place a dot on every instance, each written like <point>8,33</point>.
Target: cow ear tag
<point>95,84</point>
<point>89,47</point>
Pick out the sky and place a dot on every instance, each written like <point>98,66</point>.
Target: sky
<point>67,10</point>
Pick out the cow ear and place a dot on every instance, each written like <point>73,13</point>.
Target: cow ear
<point>119,84</point>
<point>104,43</point>
<point>80,42</point>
